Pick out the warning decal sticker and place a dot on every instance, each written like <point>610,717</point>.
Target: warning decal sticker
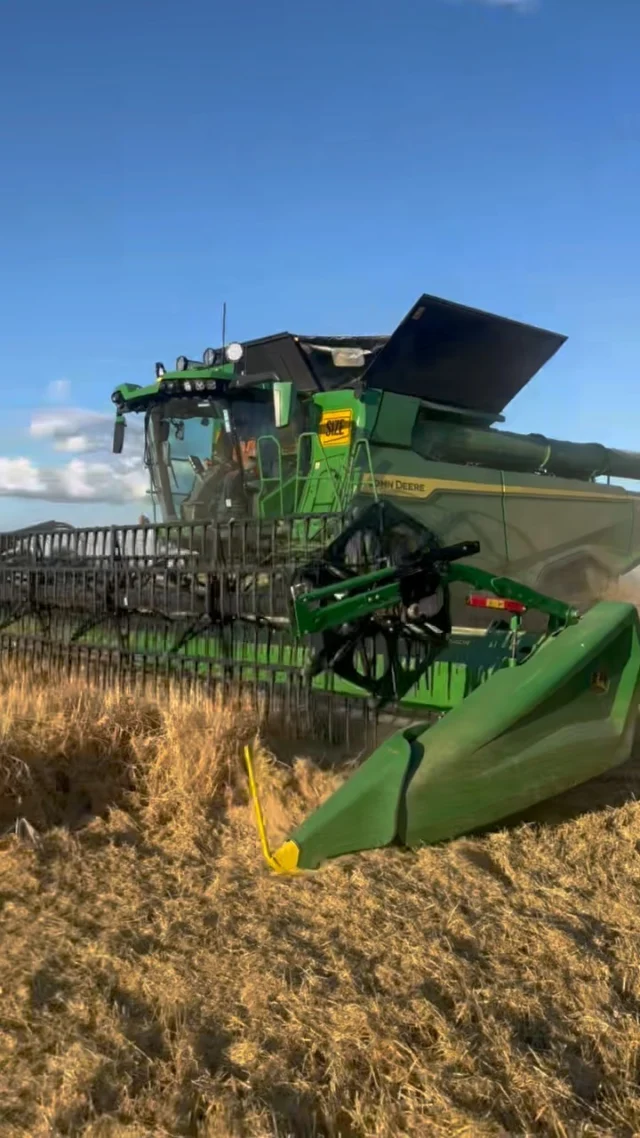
<point>336,428</point>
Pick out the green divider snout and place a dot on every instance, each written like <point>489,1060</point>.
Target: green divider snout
<point>361,815</point>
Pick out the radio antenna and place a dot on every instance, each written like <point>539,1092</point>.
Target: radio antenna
<point>224,327</point>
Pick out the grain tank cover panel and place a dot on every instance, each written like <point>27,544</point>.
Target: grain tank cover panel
<point>452,354</point>
<point>312,363</point>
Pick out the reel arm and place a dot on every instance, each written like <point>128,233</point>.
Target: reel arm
<point>374,629</point>
<point>352,598</point>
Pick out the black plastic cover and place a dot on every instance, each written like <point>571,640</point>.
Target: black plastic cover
<point>309,362</point>
<point>449,353</point>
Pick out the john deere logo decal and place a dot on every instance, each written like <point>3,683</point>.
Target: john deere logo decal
<point>335,428</point>
<point>600,682</point>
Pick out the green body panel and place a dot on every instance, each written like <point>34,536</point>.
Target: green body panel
<point>550,533</point>
<point>364,813</point>
<point>562,717</point>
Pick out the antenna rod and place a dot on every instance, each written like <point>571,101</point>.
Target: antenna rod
<point>224,326</point>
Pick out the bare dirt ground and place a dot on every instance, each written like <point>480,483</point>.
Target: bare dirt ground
<point>155,980</point>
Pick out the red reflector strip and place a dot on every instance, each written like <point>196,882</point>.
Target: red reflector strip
<point>478,602</point>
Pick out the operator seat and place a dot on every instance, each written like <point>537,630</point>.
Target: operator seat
<point>218,494</point>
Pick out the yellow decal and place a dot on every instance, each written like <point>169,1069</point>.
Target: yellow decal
<point>336,428</point>
<point>425,487</point>
<point>401,487</point>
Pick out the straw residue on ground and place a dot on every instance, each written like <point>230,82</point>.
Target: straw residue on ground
<point>155,980</point>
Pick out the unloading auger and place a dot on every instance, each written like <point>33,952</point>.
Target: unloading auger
<point>538,711</point>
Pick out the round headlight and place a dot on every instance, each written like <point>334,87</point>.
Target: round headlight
<point>234,353</point>
<point>187,385</point>
<point>199,385</point>
<point>210,357</point>
<point>182,363</point>
<point>159,370</point>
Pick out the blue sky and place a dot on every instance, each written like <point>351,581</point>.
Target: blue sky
<point>318,168</point>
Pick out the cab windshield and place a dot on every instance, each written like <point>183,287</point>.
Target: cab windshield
<point>194,444</point>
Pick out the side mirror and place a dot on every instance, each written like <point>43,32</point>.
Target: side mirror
<point>282,399</point>
<point>118,434</point>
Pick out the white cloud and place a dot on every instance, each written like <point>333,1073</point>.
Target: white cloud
<point>75,444</point>
<point>75,481</point>
<point>107,478</point>
<point>73,430</point>
<point>59,391</point>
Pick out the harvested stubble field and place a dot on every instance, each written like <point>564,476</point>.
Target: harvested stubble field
<point>155,980</point>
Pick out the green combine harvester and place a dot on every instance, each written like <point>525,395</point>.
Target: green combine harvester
<point>342,530</point>
<point>294,425</point>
